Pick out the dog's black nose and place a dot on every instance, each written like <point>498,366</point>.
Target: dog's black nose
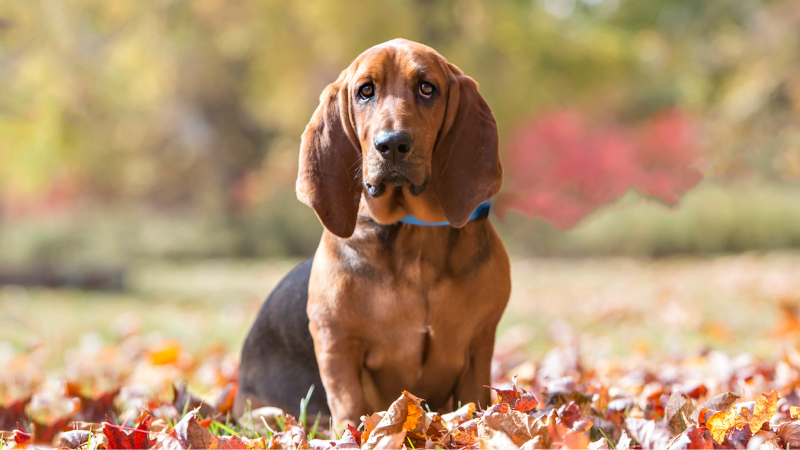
<point>393,145</point>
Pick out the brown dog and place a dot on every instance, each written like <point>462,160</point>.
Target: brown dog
<point>392,305</point>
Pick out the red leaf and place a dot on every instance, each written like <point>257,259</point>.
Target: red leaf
<point>138,438</point>
<point>13,414</point>
<point>356,433</point>
<point>22,438</point>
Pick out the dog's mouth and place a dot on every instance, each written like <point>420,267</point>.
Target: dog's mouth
<point>394,180</point>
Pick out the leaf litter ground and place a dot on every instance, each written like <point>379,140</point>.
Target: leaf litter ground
<point>145,390</point>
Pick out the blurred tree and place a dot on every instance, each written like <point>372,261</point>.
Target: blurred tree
<point>187,115</point>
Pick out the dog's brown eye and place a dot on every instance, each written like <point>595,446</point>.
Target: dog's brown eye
<point>426,90</point>
<point>366,91</point>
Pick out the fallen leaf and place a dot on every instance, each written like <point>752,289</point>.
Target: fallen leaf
<point>789,434</point>
<point>190,434</point>
<point>391,441</point>
<point>766,406</point>
<point>14,413</point>
<point>405,414</point>
<point>737,437</point>
<point>601,444</point>
<point>624,442</point>
<point>351,438</point>
<point>166,352</point>
<point>74,439</point>
<point>520,427</point>
<point>648,433</point>
<point>460,415</point>
<point>463,435</point>
<point>499,441</point>
<point>22,438</point>
<point>138,438</point>
<point>721,402</point>
<point>47,432</point>
<point>677,412</point>
<point>692,438</point>
<point>719,423</point>
<point>93,408</point>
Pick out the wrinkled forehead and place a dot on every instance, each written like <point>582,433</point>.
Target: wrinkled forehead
<point>387,62</point>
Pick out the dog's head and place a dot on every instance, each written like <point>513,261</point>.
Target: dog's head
<point>408,130</point>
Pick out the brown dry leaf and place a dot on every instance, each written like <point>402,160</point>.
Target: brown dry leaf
<point>499,441</point>
<point>437,428</point>
<point>74,439</point>
<point>405,414</point>
<point>737,437</point>
<point>677,412</point>
<point>183,400</point>
<point>766,407</point>
<point>721,402</point>
<point>557,399</point>
<point>465,434</point>
<point>648,433</point>
<point>520,427</point>
<point>391,441</point>
<point>789,434</point>
<point>369,423</point>
<point>190,434</point>
<point>294,437</point>
<point>460,415</point>
<point>764,440</point>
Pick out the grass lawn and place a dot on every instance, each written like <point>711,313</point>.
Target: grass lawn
<point>617,308</point>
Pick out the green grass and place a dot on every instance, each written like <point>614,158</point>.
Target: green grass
<point>617,307</point>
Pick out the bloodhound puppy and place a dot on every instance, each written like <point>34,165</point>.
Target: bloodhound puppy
<point>410,278</point>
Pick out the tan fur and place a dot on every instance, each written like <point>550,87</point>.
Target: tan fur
<point>397,306</point>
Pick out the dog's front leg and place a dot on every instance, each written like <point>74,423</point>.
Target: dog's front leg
<point>341,360</point>
<point>477,373</point>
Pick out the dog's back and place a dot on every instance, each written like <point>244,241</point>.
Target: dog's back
<point>278,359</point>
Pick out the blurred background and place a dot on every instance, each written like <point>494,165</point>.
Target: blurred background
<point>148,153</point>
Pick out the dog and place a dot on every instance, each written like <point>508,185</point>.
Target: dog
<point>401,140</point>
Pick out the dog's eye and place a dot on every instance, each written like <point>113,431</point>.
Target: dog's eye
<point>426,90</point>
<point>366,91</point>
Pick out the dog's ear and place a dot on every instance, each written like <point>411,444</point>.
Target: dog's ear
<point>328,179</point>
<point>466,163</point>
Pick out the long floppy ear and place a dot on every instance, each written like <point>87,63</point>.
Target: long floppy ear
<point>466,163</point>
<point>328,180</point>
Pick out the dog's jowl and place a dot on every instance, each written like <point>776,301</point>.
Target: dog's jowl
<point>410,278</point>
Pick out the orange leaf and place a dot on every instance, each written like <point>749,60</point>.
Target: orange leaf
<point>719,423</point>
<point>764,409</point>
<point>794,411</point>
<point>166,352</point>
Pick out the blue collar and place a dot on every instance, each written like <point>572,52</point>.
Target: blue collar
<point>481,211</point>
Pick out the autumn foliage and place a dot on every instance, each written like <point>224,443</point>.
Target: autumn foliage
<point>699,402</point>
<point>561,166</point>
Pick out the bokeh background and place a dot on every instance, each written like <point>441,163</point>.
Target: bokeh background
<point>148,152</point>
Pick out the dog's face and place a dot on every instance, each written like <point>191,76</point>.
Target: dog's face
<point>398,92</point>
<point>408,130</point>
